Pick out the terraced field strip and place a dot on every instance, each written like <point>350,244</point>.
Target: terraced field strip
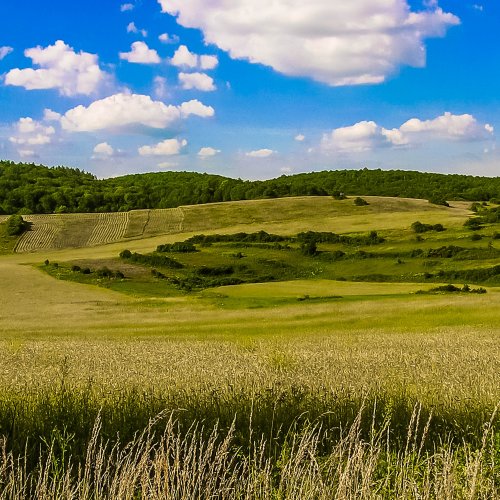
<point>110,227</point>
<point>76,230</point>
<point>164,221</point>
<point>42,234</point>
<point>137,221</point>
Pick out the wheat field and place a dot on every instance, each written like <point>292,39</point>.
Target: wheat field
<point>371,391</point>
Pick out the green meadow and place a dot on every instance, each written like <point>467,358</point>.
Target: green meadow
<point>267,349</point>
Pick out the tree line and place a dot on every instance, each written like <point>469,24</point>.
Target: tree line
<point>29,188</point>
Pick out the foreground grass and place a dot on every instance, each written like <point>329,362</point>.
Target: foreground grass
<point>169,460</point>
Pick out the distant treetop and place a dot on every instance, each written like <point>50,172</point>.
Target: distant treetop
<point>29,188</point>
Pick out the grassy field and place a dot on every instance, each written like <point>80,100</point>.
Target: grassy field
<point>308,387</point>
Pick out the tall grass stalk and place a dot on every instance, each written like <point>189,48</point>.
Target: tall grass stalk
<point>166,461</point>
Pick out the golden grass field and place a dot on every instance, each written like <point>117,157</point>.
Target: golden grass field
<point>418,338</point>
<point>233,345</point>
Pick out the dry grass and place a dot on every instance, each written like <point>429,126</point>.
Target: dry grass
<point>165,462</point>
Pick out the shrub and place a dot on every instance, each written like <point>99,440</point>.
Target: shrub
<point>474,224</point>
<point>419,228</point>
<point>76,269</point>
<point>438,200</point>
<point>125,254</point>
<point>476,237</point>
<point>309,248</point>
<point>16,225</point>
<point>179,247</point>
<point>360,202</point>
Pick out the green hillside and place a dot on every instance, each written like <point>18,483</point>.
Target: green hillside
<point>29,188</point>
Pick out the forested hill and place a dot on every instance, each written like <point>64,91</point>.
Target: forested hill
<point>33,188</point>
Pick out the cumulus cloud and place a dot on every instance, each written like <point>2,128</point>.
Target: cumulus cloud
<point>338,43</point>
<point>5,51</point>
<point>184,58</point>
<point>60,68</point>
<point>198,81</point>
<point>141,54</point>
<point>368,135</point>
<point>168,147</point>
<point>448,126</point>
<point>207,152</point>
<point>103,149</point>
<point>132,28</point>
<point>51,116</point>
<point>260,153</point>
<point>300,137</point>
<point>166,38</point>
<point>196,108</point>
<point>125,7</point>
<point>125,110</point>
<point>29,132</point>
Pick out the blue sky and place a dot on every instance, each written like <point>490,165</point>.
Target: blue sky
<point>251,88</point>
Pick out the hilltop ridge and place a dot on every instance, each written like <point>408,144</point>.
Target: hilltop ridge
<point>30,188</point>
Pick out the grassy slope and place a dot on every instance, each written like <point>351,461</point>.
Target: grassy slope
<point>253,350</point>
<point>287,216</point>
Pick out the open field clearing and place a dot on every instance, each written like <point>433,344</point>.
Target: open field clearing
<point>295,388</point>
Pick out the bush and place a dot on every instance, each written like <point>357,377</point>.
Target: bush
<point>474,224</point>
<point>419,228</point>
<point>16,225</point>
<point>179,247</point>
<point>309,248</point>
<point>125,254</point>
<point>476,237</point>
<point>438,200</point>
<point>360,202</point>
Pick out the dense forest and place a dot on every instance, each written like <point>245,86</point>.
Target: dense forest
<point>29,188</point>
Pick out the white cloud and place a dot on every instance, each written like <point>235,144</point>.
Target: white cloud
<point>208,62</point>
<point>167,164</point>
<point>127,7</point>
<point>5,51</point>
<point>207,152</point>
<point>125,110</point>
<point>198,81</point>
<point>132,28</point>
<point>26,153</point>
<point>60,68</point>
<point>260,153</point>
<point>184,58</point>
<point>478,7</point>
<point>166,38</point>
<point>141,54</point>
<point>51,116</point>
<point>104,149</point>
<point>168,147</point>
<point>448,126</point>
<point>160,87</point>
<point>32,133</point>
<point>286,170</point>
<point>335,42</point>
<point>195,107</point>
<point>368,135</point>
<point>300,137</point>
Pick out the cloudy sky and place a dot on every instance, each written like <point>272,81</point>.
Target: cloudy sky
<point>251,88</point>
